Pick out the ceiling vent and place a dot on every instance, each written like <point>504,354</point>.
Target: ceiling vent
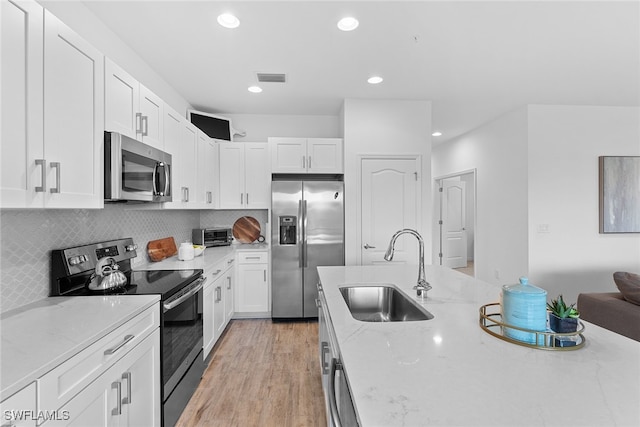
<point>271,78</point>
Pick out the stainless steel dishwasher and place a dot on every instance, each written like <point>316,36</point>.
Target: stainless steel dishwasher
<point>337,395</point>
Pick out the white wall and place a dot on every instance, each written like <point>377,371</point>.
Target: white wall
<point>537,169</point>
<point>564,145</point>
<point>384,127</point>
<point>80,19</point>
<point>259,127</point>
<point>498,152</point>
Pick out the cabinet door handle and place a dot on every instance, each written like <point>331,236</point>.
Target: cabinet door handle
<point>265,275</point>
<point>304,165</point>
<point>184,194</point>
<point>138,122</point>
<point>110,351</point>
<point>229,282</point>
<point>309,162</point>
<point>127,400</point>
<point>218,294</point>
<point>56,165</point>
<point>145,125</point>
<point>209,197</point>
<point>333,404</point>
<point>241,198</point>
<point>43,179</point>
<point>367,246</point>
<point>247,198</point>
<point>187,188</point>
<point>323,360</point>
<point>118,409</point>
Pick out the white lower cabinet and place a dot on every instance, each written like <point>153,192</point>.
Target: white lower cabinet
<point>252,287</point>
<point>113,382</point>
<point>127,394</point>
<point>218,301</point>
<point>19,409</point>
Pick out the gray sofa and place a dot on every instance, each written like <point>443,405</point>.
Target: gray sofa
<point>612,311</point>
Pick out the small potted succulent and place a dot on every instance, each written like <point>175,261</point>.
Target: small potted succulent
<point>562,318</point>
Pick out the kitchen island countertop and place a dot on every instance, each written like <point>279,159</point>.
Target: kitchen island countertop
<point>448,371</point>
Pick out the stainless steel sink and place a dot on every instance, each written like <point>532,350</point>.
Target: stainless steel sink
<point>382,303</point>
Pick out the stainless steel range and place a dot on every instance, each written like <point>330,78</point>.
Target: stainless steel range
<point>105,268</point>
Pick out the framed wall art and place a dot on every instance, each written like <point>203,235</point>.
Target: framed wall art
<point>619,178</point>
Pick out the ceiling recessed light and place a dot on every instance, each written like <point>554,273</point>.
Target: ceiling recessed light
<point>348,24</point>
<point>375,80</point>
<point>228,20</point>
<point>254,89</point>
<point>436,133</point>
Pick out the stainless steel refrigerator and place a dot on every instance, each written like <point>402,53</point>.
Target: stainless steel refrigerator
<point>307,232</point>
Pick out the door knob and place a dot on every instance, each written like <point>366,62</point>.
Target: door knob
<point>366,246</point>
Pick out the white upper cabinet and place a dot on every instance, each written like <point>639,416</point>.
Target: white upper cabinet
<point>288,155</point>
<point>181,141</point>
<point>130,108</point>
<point>21,142</point>
<point>324,155</point>
<point>306,155</point>
<point>244,175</point>
<point>52,112</point>
<point>206,184</point>
<point>73,119</point>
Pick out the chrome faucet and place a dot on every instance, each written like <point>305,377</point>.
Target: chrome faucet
<point>422,286</point>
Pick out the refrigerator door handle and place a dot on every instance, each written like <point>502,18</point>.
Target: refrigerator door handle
<point>304,228</point>
<point>300,236</point>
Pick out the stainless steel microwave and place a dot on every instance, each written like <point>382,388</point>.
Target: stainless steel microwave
<point>134,171</point>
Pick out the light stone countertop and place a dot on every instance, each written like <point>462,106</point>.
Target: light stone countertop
<point>40,336</point>
<point>210,256</point>
<point>448,371</point>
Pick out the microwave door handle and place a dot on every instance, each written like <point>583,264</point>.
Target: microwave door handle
<point>155,177</point>
<point>167,179</point>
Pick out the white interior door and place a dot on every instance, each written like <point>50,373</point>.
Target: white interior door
<point>453,226</point>
<point>391,197</point>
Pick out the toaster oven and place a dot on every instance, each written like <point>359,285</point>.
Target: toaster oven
<point>212,236</point>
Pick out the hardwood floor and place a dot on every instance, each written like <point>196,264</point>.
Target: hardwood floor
<point>262,374</point>
<point>469,270</point>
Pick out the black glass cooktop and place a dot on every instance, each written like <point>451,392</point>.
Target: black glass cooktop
<point>162,282</point>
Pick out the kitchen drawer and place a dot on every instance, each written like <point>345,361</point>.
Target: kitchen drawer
<point>253,257</point>
<point>62,383</point>
<point>215,270</point>
<point>14,407</point>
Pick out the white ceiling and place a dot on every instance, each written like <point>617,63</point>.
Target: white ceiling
<point>474,60</point>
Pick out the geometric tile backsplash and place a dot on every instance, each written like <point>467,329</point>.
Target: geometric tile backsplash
<point>27,237</point>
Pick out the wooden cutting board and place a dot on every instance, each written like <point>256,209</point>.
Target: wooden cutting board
<point>246,229</point>
<point>161,249</point>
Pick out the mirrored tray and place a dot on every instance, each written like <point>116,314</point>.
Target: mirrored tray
<point>491,322</point>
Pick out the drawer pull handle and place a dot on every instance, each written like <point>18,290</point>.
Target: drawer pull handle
<point>252,257</point>
<point>110,351</point>
<point>216,272</point>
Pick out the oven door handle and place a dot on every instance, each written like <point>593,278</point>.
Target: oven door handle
<point>172,303</point>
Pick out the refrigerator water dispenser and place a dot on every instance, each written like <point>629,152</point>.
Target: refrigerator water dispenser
<point>288,230</point>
